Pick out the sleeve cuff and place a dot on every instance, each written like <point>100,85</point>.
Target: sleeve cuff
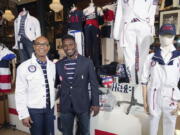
<point>23,115</point>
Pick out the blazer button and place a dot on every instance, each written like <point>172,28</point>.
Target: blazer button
<point>71,87</point>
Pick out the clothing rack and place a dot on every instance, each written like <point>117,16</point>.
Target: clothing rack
<point>132,102</point>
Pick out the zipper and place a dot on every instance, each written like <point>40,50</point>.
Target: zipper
<point>172,103</point>
<point>172,94</point>
<point>154,98</point>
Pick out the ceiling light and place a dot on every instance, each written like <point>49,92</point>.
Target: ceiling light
<point>56,6</point>
<point>8,15</point>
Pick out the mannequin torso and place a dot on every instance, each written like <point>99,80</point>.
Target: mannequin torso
<point>90,10</point>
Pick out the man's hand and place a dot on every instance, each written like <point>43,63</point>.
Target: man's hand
<point>13,84</point>
<point>94,109</point>
<point>175,111</point>
<point>27,122</point>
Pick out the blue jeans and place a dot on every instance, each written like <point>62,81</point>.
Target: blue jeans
<point>92,44</point>
<point>67,121</point>
<point>43,121</point>
<point>27,50</point>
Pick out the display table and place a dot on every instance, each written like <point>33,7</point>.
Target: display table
<point>115,122</point>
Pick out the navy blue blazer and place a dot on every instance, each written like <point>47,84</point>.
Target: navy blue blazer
<point>76,96</point>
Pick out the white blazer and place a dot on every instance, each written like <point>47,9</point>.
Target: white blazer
<point>31,27</point>
<point>30,91</point>
<point>162,79</point>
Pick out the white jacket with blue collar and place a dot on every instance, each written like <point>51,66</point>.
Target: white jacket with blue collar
<point>162,76</point>
<point>31,27</point>
<point>30,89</point>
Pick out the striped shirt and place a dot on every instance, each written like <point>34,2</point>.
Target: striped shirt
<point>70,68</point>
<point>22,25</point>
<point>44,68</point>
<point>5,74</point>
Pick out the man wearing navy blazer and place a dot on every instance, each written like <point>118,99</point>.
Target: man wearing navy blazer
<point>78,88</point>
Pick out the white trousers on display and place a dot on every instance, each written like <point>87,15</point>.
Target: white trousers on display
<point>79,38</point>
<point>140,34</point>
<point>107,47</point>
<point>162,107</point>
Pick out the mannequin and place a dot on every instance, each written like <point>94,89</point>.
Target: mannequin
<point>161,73</point>
<point>75,27</point>
<point>27,29</point>
<point>107,42</point>
<point>7,79</point>
<point>23,12</point>
<point>73,8</point>
<point>134,25</point>
<point>93,16</point>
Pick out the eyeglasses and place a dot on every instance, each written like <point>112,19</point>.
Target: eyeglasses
<point>38,43</point>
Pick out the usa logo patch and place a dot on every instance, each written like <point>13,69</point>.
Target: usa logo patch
<point>32,68</point>
<point>153,63</point>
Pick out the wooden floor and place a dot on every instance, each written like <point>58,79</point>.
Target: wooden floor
<point>11,132</point>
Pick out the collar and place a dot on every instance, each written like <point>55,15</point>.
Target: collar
<point>41,62</point>
<point>27,15</point>
<point>34,59</point>
<point>171,48</point>
<point>158,58</point>
<point>66,58</point>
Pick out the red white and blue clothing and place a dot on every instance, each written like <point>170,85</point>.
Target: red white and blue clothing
<point>75,28</point>
<point>5,74</point>
<point>161,72</point>
<point>75,20</point>
<point>134,26</point>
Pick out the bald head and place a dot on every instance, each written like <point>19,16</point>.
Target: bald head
<point>41,41</point>
<point>41,47</point>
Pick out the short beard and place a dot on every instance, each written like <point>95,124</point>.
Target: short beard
<point>72,55</point>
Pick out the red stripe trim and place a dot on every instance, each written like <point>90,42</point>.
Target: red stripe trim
<point>5,78</point>
<point>13,111</point>
<point>6,90</point>
<point>93,22</point>
<point>99,132</point>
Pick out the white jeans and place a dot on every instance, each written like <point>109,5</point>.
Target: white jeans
<point>140,34</point>
<point>79,38</point>
<point>162,106</point>
<point>107,45</point>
